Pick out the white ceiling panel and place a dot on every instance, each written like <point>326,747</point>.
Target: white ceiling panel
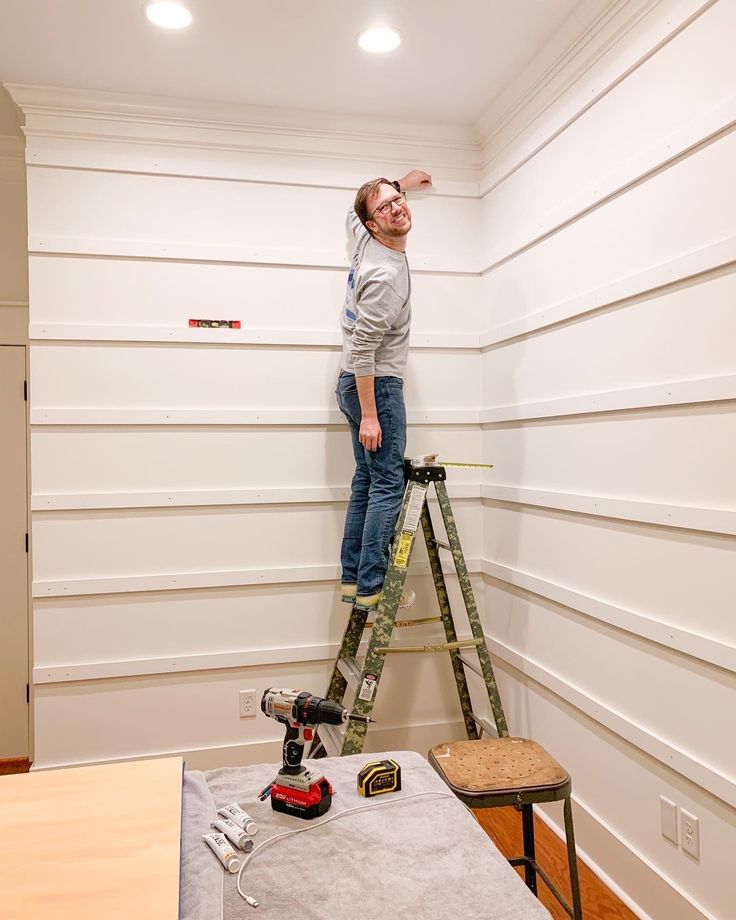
<point>454,59</point>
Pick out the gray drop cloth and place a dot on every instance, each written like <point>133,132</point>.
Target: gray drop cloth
<point>422,858</point>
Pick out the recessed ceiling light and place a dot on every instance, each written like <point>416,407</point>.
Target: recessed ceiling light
<point>168,15</point>
<point>379,41</point>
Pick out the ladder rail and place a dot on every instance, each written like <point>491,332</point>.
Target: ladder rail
<point>383,623</point>
<point>438,576</point>
<point>476,627</point>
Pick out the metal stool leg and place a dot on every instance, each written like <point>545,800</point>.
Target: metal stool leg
<point>527,824</point>
<point>577,910</point>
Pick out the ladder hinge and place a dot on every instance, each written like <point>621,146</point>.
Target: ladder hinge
<point>25,390</point>
<point>26,542</point>
<point>28,693</point>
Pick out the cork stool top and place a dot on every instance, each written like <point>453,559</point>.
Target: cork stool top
<point>476,767</point>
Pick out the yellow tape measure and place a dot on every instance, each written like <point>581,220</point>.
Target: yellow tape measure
<point>433,460</point>
<point>379,776</point>
<point>477,466</point>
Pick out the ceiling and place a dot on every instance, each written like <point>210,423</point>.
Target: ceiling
<point>455,58</point>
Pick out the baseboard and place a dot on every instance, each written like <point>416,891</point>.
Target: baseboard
<point>649,894</point>
<point>10,765</point>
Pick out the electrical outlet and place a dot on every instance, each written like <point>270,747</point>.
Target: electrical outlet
<point>247,704</point>
<point>668,819</point>
<point>690,833</point>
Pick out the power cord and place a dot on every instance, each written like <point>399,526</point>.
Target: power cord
<point>308,827</point>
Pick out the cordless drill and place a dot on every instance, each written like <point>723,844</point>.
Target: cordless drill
<point>299,790</point>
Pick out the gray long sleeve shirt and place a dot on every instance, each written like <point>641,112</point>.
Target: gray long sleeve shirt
<point>376,315</point>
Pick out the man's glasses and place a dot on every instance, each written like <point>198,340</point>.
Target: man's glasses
<point>384,209</point>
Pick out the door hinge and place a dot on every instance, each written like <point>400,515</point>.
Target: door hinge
<point>28,693</point>
<point>26,542</point>
<point>25,390</point>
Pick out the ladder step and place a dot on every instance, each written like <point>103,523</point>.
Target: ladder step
<point>351,669</point>
<point>442,545</point>
<point>471,665</point>
<point>402,624</point>
<point>485,725</point>
<point>440,647</point>
<point>331,738</point>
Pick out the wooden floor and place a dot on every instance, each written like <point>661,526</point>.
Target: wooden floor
<point>503,826</point>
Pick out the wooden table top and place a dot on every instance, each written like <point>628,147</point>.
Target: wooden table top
<point>92,842</point>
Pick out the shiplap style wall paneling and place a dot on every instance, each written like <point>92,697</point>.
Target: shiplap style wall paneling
<point>74,464</point>
<point>131,294</point>
<point>190,485</point>
<point>609,389</point>
<point>201,377</point>
<point>198,710</point>
<point>671,885</point>
<point>118,214</point>
<point>140,542</point>
<point>87,637</point>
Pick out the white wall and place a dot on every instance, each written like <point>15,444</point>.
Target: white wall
<point>189,486</point>
<point>609,379</point>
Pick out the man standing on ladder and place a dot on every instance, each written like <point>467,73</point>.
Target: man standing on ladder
<point>375,321</point>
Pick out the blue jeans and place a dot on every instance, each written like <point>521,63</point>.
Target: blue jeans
<point>377,486</point>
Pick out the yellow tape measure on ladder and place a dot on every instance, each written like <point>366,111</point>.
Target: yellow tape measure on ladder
<point>432,460</point>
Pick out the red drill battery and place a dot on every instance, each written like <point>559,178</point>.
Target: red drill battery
<point>302,804</point>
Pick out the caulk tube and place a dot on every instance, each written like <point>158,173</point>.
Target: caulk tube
<point>240,817</point>
<point>236,835</point>
<point>223,851</point>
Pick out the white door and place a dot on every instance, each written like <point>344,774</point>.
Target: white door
<point>13,556</point>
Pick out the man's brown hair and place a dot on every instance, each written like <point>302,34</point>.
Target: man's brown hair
<point>364,193</point>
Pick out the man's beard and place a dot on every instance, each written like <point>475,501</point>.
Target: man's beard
<point>397,232</point>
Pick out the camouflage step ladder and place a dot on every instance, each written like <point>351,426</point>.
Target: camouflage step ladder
<point>361,678</point>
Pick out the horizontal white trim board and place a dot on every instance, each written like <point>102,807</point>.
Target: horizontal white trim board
<point>68,501</point>
<point>650,281</point>
<point>668,636</point>
<point>124,584</point>
<point>684,763</point>
<point>233,253</point>
<point>76,150</point>
<point>676,393</point>
<point>316,338</point>
<point>114,415</point>
<point>177,664</point>
<point>710,520</point>
<point>666,152</point>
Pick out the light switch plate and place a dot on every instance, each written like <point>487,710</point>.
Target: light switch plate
<point>668,819</point>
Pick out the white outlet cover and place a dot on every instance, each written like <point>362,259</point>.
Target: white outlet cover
<point>247,703</point>
<point>690,833</point>
<point>668,819</point>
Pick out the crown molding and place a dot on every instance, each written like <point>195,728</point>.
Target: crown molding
<point>58,111</point>
<point>581,40</point>
<point>543,102</point>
